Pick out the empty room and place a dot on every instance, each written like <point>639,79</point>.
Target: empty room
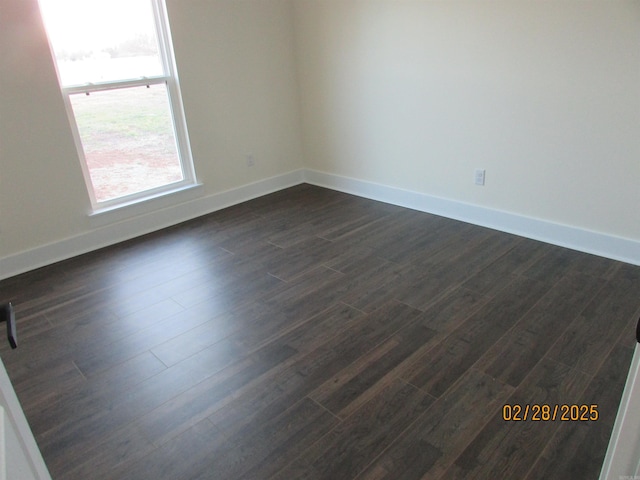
<point>319,239</point>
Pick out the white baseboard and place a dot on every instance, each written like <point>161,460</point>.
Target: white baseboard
<point>119,225</point>
<point>600,244</point>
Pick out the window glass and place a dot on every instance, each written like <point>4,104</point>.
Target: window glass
<point>128,141</point>
<point>98,41</point>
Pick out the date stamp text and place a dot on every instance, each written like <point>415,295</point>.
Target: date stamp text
<point>550,413</point>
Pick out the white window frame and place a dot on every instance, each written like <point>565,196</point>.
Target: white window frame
<point>170,78</point>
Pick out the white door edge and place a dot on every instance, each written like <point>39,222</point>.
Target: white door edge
<point>622,461</point>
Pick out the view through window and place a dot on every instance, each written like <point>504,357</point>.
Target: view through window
<point>117,73</point>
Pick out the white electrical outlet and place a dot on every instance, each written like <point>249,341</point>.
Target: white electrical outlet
<point>479,177</point>
<point>251,161</point>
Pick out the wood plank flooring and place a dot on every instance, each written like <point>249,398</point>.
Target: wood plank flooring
<point>311,334</point>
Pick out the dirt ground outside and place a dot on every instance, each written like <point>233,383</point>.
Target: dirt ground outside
<point>121,172</point>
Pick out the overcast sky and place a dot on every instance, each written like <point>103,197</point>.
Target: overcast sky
<point>95,24</point>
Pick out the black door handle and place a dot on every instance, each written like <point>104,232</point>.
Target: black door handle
<point>7,315</point>
<point>638,331</point>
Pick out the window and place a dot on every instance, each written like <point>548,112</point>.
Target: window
<point>117,73</point>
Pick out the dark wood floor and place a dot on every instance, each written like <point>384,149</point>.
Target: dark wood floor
<point>312,334</point>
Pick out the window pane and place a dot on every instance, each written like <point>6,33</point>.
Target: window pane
<point>128,140</point>
<point>97,41</point>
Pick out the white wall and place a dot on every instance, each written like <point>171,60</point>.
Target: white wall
<point>237,74</point>
<point>42,194</point>
<point>544,95</point>
<point>235,61</point>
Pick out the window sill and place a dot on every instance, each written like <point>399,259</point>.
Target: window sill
<point>142,205</point>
